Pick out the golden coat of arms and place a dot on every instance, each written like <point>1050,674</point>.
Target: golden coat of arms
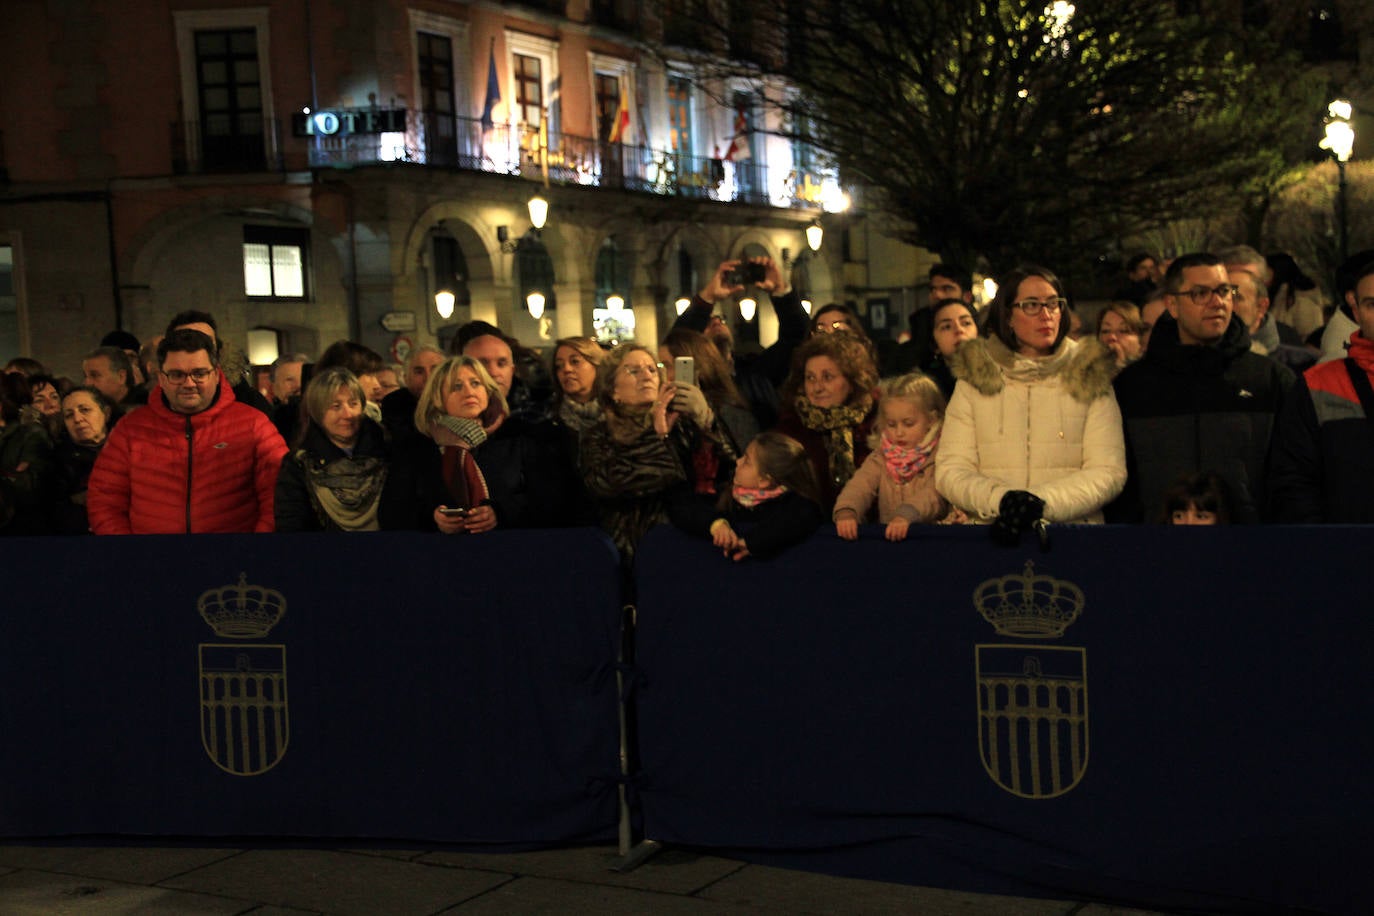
<point>243,713</point>
<point>1032,697</point>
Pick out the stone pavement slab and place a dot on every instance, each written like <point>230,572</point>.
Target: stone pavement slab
<point>783,890</point>
<point>339,882</point>
<point>670,871</point>
<point>36,893</point>
<point>538,896</point>
<point>131,864</point>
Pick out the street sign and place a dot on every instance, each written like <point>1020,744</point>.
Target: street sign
<point>397,322</point>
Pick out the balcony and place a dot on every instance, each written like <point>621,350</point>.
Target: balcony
<point>442,140</point>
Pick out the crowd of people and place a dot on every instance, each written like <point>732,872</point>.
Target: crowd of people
<point>1203,397</point>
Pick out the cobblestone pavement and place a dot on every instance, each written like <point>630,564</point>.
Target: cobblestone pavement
<point>84,881</point>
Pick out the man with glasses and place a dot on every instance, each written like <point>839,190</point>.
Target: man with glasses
<point>1323,458</point>
<point>195,460</point>
<point>1199,399</point>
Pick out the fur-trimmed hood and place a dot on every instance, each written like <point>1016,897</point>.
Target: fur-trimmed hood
<point>1085,368</point>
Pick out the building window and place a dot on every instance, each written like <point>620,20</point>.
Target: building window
<point>607,104</point>
<point>275,262</point>
<point>10,342</point>
<point>529,89</point>
<point>227,118</point>
<point>613,321</point>
<point>680,115</point>
<point>229,93</point>
<point>434,61</point>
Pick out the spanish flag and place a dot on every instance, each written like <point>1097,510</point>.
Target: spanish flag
<point>620,128</point>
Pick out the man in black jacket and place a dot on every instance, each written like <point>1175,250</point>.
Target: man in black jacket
<point>1199,400</point>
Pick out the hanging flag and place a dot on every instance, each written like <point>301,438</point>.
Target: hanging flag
<point>739,144</point>
<point>620,129</point>
<point>493,90</point>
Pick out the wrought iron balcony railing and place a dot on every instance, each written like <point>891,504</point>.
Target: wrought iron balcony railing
<point>443,140</point>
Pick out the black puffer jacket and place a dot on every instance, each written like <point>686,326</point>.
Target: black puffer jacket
<point>1198,408</point>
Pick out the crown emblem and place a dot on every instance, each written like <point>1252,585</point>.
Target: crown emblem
<point>241,611</point>
<point>1029,606</point>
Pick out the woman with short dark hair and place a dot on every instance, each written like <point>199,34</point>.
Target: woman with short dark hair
<point>87,417</point>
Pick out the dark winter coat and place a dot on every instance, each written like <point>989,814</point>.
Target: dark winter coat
<point>1197,408</point>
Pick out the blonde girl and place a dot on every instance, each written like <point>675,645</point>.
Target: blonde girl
<point>899,474</point>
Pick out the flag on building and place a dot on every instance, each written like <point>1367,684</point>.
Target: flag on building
<point>620,128</point>
<point>739,144</point>
<point>493,90</point>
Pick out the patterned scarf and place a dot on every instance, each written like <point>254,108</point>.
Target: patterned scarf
<point>903,464</point>
<point>838,424</point>
<point>345,491</point>
<point>749,497</point>
<point>457,437</point>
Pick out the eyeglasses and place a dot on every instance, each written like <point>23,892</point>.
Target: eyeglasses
<point>1201,295</point>
<point>1033,307</point>
<point>637,371</point>
<point>176,376</point>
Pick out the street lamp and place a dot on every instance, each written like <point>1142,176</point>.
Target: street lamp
<point>1340,141</point>
<point>539,214</point>
<point>535,303</point>
<point>443,303</point>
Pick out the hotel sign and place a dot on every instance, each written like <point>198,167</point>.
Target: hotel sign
<point>339,122</point>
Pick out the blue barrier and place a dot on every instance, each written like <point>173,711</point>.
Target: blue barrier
<point>416,687</point>
<point>1197,736</point>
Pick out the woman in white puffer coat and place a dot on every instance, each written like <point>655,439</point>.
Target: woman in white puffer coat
<point>1032,430</point>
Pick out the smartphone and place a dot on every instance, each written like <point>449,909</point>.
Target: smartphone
<point>746,274</point>
<point>453,511</point>
<point>685,370</point>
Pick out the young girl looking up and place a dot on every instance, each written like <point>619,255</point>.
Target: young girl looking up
<point>773,504</point>
<point>900,471</point>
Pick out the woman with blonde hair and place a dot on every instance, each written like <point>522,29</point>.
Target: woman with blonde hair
<point>631,458</point>
<point>1119,327</point>
<point>334,477</point>
<point>470,458</point>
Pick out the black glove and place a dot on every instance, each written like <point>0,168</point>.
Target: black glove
<point>1018,510</point>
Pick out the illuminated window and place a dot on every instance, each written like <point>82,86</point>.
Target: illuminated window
<point>275,262</point>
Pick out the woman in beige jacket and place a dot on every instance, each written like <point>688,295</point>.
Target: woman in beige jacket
<point>1033,430</point>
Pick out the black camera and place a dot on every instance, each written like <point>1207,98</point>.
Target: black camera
<point>746,274</point>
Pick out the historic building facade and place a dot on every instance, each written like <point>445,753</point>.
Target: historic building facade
<point>320,170</point>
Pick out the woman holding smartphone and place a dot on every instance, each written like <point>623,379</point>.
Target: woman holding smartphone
<point>459,409</point>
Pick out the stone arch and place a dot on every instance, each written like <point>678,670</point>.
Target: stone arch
<point>191,256</point>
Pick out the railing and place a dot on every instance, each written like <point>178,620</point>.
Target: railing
<point>447,141</point>
<point>199,147</point>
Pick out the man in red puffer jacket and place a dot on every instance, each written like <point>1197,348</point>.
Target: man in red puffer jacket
<point>195,460</point>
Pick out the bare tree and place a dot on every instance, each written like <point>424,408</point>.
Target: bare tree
<point>1010,129</point>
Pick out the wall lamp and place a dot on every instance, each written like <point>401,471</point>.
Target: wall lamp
<point>443,303</point>
<point>535,303</point>
<point>815,233</point>
<point>539,214</point>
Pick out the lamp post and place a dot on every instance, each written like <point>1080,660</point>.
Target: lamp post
<point>1340,141</point>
